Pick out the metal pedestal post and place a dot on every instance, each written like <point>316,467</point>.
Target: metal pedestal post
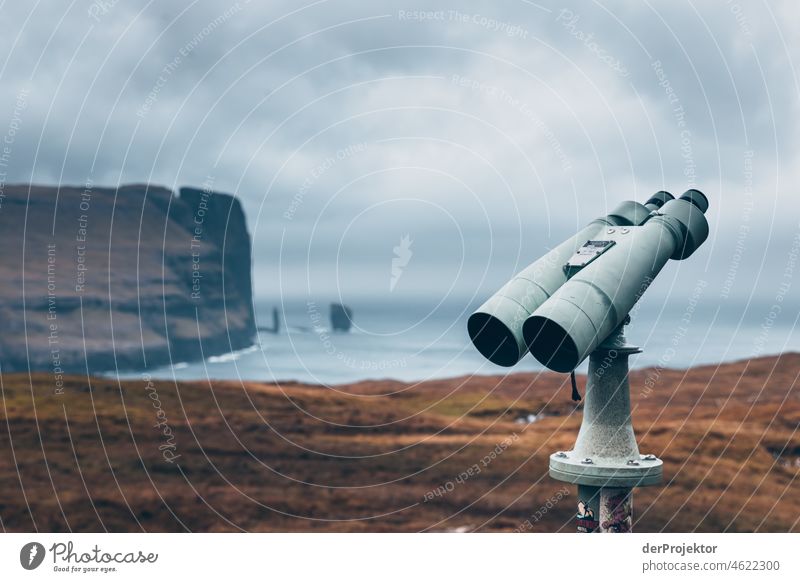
<point>604,509</point>
<point>605,462</point>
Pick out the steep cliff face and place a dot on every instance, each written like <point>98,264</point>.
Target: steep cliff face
<point>121,278</point>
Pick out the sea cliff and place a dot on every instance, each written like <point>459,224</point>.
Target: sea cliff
<point>97,279</point>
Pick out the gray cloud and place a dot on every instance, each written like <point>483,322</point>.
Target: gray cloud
<point>485,134</point>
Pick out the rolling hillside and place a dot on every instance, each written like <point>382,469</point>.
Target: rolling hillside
<point>386,456</point>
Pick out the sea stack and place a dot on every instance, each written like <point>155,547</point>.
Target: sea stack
<point>276,323</point>
<point>341,317</point>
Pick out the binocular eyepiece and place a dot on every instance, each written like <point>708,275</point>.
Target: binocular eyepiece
<point>565,304</point>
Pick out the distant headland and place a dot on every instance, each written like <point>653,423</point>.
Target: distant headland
<point>132,277</point>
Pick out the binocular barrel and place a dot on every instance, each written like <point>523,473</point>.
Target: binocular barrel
<point>578,316</point>
<point>496,328</point>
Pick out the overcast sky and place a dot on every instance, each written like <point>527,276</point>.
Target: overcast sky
<point>484,134</point>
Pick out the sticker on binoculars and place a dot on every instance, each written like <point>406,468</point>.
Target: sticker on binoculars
<point>588,252</point>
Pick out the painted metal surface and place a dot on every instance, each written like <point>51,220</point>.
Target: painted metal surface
<point>496,327</point>
<point>605,453</point>
<point>572,304</point>
<point>582,313</point>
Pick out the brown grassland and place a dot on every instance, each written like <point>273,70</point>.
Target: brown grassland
<point>366,456</point>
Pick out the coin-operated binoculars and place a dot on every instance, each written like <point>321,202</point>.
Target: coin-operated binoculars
<point>572,304</point>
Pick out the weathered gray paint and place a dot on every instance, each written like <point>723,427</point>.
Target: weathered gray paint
<point>567,327</point>
<point>605,462</point>
<point>605,453</point>
<point>570,319</point>
<point>496,328</point>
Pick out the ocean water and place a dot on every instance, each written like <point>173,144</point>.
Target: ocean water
<point>426,341</point>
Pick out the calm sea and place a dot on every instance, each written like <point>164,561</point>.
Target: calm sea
<point>426,340</point>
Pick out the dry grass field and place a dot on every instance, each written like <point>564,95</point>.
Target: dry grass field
<point>387,456</point>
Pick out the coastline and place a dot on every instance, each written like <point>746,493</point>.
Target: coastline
<point>166,372</point>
